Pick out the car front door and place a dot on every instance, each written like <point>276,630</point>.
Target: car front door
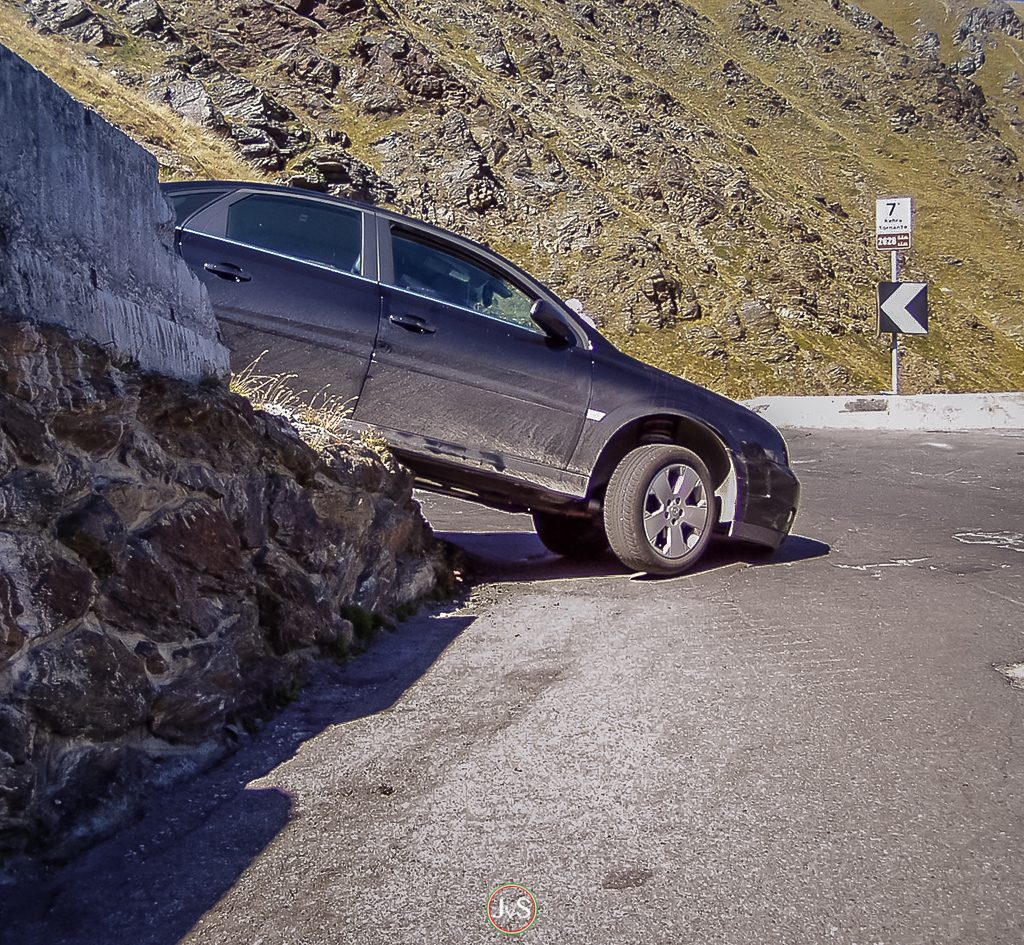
<point>294,277</point>
<point>460,363</point>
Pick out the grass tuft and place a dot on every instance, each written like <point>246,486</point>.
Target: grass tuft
<point>320,420</point>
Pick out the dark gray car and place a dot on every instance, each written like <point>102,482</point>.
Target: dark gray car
<point>482,380</point>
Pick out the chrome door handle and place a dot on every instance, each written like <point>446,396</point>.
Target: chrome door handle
<point>228,271</point>
<point>412,323</point>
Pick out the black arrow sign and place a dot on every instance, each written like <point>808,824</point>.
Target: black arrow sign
<point>903,308</point>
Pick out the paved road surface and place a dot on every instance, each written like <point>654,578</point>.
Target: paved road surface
<point>809,748</point>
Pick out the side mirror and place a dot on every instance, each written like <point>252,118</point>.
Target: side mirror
<point>551,320</point>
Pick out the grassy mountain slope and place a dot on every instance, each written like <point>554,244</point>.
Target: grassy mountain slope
<point>703,176</point>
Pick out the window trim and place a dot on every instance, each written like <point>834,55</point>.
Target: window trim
<point>537,332</point>
<point>214,222</point>
<point>295,259</point>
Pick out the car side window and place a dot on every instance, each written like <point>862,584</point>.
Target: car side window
<point>427,269</point>
<point>303,229</point>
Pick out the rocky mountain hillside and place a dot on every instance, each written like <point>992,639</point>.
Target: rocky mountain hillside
<point>702,174</point>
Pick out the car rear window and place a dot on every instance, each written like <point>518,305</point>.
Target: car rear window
<point>303,229</point>
<point>186,204</point>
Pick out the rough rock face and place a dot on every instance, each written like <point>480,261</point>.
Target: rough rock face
<point>169,562</point>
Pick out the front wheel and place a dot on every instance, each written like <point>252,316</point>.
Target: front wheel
<point>659,509</point>
<point>571,537</point>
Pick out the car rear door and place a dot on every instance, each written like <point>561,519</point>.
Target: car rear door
<point>460,363</point>
<point>293,276</point>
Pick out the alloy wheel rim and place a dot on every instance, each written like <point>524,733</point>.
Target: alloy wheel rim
<point>675,511</point>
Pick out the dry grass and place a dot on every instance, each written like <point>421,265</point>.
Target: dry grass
<point>376,442</point>
<point>194,151</point>
<point>319,419</point>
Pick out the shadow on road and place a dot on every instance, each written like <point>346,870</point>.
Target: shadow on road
<point>506,556</point>
<point>797,548</point>
<point>154,880</point>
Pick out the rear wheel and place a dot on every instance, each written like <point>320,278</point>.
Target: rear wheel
<point>659,509</point>
<point>569,536</point>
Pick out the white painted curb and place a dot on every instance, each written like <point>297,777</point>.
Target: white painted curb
<point>938,412</point>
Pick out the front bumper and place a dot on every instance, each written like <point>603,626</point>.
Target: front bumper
<point>767,500</point>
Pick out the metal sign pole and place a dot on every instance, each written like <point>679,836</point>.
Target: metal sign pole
<point>894,347</point>
<point>894,229</point>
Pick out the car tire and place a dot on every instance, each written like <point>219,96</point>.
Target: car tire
<point>571,537</point>
<point>659,509</point>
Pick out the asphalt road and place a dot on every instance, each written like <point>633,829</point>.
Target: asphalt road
<point>813,747</point>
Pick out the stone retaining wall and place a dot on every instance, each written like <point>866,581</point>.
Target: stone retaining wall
<point>86,234</point>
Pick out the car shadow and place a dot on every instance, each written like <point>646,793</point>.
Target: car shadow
<point>724,554</point>
<point>152,881</point>
<point>506,556</point>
